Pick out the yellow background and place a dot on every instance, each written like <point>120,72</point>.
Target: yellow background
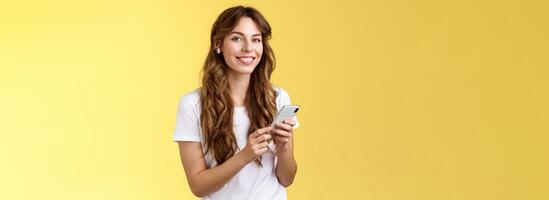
<point>401,99</point>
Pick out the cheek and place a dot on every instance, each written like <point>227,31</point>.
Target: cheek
<point>260,51</point>
<point>231,50</point>
<point>227,57</point>
<point>229,54</point>
<point>230,47</point>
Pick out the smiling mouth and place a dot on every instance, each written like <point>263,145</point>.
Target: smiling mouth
<point>246,59</point>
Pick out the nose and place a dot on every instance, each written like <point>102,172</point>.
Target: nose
<point>247,47</point>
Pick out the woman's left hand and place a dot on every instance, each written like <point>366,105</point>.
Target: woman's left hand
<point>282,134</point>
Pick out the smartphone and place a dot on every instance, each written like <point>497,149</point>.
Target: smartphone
<point>286,112</point>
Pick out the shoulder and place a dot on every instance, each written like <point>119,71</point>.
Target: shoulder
<point>282,97</point>
<point>190,99</point>
<point>280,92</point>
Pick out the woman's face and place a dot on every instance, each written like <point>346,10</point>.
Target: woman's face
<point>242,47</point>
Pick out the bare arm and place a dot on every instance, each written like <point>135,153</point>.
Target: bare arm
<point>203,181</point>
<point>286,167</point>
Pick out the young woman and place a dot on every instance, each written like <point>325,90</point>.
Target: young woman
<point>226,147</point>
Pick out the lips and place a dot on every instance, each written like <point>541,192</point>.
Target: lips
<point>246,59</point>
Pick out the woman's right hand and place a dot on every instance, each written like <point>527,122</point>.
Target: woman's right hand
<point>257,143</point>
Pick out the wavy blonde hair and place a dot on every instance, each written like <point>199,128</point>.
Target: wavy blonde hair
<point>217,105</point>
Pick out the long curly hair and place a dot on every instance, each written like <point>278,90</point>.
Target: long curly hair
<point>217,105</point>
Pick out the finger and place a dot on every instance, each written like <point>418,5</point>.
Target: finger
<point>290,122</point>
<point>263,150</point>
<point>282,133</point>
<point>283,126</point>
<point>261,131</point>
<point>262,145</point>
<point>280,139</point>
<point>260,151</point>
<point>264,130</point>
<point>262,138</point>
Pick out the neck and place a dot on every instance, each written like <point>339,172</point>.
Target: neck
<point>238,84</point>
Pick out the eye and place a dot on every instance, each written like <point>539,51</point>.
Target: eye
<point>236,39</point>
<point>257,40</point>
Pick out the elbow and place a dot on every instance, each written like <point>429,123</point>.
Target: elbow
<point>199,195</point>
<point>286,179</point>
<point>197,192</point>
<point>287,183</point>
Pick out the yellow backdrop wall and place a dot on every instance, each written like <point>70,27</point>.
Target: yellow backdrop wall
<point>401,99</point>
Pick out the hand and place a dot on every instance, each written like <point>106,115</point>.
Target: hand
<point>257,143</point>
<point>283,133</point>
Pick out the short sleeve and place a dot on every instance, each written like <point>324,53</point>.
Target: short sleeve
<point>284,99</point>
<point>187,126</point>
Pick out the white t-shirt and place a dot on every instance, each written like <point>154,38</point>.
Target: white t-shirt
<point>252,182</point>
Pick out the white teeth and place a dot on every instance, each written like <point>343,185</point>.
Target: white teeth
<point>246,59</point>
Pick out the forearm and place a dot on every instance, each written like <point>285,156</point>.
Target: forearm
<point>211,180</point>
<point>286,166</point>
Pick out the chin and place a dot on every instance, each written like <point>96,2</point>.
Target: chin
<point>244,69</point>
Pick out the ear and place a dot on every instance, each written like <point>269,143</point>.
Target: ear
<point>217,44</point>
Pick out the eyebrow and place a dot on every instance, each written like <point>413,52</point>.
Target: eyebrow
<point>257,34</point>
